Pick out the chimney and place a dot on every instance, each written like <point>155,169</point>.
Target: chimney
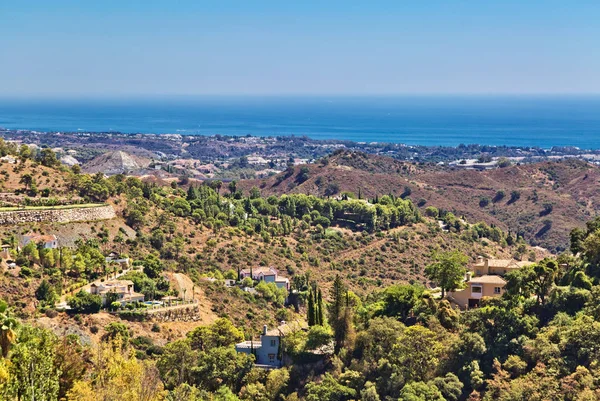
<point>265,330</point>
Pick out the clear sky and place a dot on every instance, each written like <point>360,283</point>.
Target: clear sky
<point>129,47</point>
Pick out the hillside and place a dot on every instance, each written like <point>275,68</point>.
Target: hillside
<point>195,246</point>
<point>550,198</point>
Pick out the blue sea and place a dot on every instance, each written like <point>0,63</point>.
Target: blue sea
<point>542,121</point>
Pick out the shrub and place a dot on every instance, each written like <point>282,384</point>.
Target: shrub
<point>84,302</point>
<point>504,162</point>
<point>499,196</point>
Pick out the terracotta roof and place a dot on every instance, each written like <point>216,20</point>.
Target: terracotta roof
<point>503,263</point>
<point>488,279</point>
<point>261,269</point>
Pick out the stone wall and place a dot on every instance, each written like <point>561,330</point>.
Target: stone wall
<point>57,215</point>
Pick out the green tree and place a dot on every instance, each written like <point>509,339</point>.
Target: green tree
<point>543,276</point>
<point>27,180</point>
<point>340,314</point>
<point>47,158</point>
<point>222,333</point>
<point>46,293</point>
<point>176,363</point>
<point>420,391</point>
<point>320,311</point>
<point>448,271</point>
<point>84,302</point>
<point>329,389</point>
<point>310,309</point>
<point>33,373</point>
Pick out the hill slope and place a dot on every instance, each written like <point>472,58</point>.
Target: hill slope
<point>550,198</point>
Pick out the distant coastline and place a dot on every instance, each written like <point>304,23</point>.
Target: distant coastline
<point>229,149</point>
<point>522,121</point>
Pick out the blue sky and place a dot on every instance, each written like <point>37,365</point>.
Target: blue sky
<point>131,47</point>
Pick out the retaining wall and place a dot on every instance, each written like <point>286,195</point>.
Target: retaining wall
<point>57,215</point>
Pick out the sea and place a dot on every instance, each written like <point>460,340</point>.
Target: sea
<point>526,121</point>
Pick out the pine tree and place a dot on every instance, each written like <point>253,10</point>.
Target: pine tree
<point>192,194</point>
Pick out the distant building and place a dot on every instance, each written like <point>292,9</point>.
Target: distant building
<point>266,274</point>
<point>48,241</point>
<point>114,257</point>
<point>268,351</point>
<point>122,288</point>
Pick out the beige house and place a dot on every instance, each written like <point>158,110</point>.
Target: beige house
<point>476,288</point>
<point>484,280</point>
<point>122,288</point>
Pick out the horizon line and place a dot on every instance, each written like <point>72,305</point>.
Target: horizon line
<point>159,96</point>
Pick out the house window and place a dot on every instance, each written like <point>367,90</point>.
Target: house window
<point>497,290</point>
<point>273,343</point>
<point>476,290</point>
<point>271,358</point>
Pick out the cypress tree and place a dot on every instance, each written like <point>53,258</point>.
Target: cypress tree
<point>311,308</point>
<point>320,319</point>
<point>338,316</point>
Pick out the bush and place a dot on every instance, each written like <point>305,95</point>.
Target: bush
<point>51,313</point>
<point>432,212</point>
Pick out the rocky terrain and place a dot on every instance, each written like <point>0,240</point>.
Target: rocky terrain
<point>117,162</point>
